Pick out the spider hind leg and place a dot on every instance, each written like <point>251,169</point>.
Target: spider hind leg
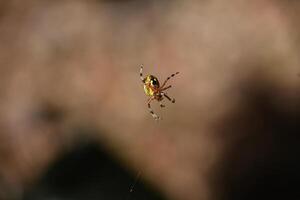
<point>161,104</point>
<point>155,116</point>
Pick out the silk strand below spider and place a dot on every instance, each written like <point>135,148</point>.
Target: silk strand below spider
<point>153,89</point>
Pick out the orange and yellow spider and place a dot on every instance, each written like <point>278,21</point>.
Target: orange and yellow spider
<point>153,89</point>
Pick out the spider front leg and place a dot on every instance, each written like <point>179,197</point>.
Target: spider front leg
<point>172,100</point>
<point>162,89</point>
<point>155,116</point>
<point>169,79</point>
<point>141,73</point>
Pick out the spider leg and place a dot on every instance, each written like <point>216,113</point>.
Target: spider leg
<point>169,79</point>
<point>155,116</point>
<point>161,104</point>
<point>172,100</point>
<point>162,89</point>
<point>141,73</point>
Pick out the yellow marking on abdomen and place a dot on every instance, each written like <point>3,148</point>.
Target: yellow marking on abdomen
<point>148,90</point>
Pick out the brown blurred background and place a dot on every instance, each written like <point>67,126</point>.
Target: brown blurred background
<point>74,123</point>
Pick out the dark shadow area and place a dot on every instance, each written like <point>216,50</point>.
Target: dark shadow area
<point>88,173</point>
<point>261,155</point>
<point>49,113</point>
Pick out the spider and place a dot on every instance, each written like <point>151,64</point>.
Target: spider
<point>153,89</point>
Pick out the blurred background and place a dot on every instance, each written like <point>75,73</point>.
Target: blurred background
<point>74,122</point>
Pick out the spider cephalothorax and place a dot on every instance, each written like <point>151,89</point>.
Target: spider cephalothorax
<point>153,89</point>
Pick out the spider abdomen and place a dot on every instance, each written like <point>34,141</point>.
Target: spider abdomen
<point>148,90</point>
<point>151,84</point>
